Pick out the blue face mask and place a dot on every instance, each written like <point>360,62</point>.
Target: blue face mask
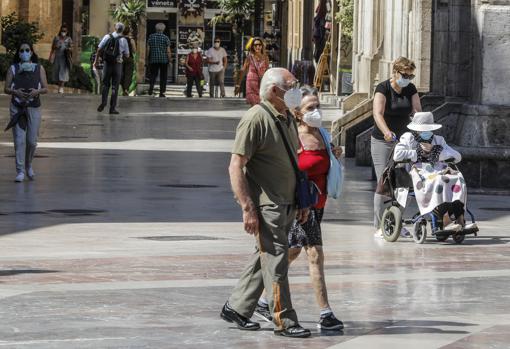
<point>25,56</point>
<point>426,135</point>
<point>403,82</point>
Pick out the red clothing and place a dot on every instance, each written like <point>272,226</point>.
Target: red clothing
<point>196,64</point>
<point>316,165</point>
<point>256,70</point>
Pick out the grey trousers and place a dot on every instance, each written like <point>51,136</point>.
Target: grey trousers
<point>25,141</point>
<point>380,153</point>
<point>215,79</point>
<point>268,268</point>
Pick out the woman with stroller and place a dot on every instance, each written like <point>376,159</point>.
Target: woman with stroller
<point>437,187</point>
<point>395,100</point>
<point>314,158</point>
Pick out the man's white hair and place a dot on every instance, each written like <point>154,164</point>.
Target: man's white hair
<point>119,27</point>
<point>160,27</point>
<point>272,77</point>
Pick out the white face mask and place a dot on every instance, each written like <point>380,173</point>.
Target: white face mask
<point>195,50</point>
<point>313,118</point>
<point>63,34</point>
<point>217,44</point>
<point>292,98</point>
<point>403,82</point>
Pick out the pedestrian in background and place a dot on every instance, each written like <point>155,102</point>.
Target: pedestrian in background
<point>395,101</point>
<point>61,57</point>
<point>113,48</point>
<point>25,81</point>
<point>194,66</point>
<point>128,64</point>
<point>255,65</point>
<point>264,183</point>
<point>217,60</point>
<point>96,71</point>
<point>159,56</point>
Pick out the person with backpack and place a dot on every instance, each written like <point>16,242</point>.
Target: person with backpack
<point>113,48</point>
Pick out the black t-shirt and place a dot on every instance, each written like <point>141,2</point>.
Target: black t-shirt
<point>398,108</point>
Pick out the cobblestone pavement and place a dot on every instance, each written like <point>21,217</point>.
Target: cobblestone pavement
<point>129,238</point>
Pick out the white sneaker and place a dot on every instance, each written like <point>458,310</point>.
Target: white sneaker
<point>405,233</point>
<point>378,234</point>
<point>453,227</point>
<point>471,226</point>
<point>30,173</point>
<point>60,90</point>
<point>20,177</point>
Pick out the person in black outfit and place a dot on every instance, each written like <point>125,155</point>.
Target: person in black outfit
<point>395,101</point>
<point>113,48</point>
<point>128,64</point>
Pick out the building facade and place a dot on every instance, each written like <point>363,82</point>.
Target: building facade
<point>458,47</point>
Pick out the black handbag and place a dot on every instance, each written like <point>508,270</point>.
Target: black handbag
<point>307,192</point>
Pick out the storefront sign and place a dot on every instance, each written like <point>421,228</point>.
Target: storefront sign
<point>161,3</point>
<point>192,7</point>
<point>188,37</point>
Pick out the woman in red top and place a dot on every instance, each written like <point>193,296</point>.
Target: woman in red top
<point>313,158</point>
<point>194,71</point>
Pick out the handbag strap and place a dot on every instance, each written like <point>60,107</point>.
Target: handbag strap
<point>285,142</point>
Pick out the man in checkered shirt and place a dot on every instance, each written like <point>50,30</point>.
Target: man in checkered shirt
<point>159,55</point>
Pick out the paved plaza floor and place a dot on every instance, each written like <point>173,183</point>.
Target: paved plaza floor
<point>130,238</point>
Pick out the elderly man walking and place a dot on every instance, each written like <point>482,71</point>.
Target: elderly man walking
<point>113,49</point>
<point>264,183</point>
<point>159,55</point>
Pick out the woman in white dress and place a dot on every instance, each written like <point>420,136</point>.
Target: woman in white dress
<point>438,188</point>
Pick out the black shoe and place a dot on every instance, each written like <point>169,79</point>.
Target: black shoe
<point>230,315</point>
<point>113,111</point>
<point>161,95</point>
<point>294,331</point>
<point>100,108</point>
<point>263,312</point>
<point>330,322</point>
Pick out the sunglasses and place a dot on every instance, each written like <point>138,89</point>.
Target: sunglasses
<point>24,50</point>
<point>407,76</point>
<point>217,42</point>
<point>257,45</point>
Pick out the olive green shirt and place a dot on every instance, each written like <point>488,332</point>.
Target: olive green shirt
<point>269,172</point>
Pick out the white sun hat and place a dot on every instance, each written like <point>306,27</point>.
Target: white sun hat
<point>423,121</point>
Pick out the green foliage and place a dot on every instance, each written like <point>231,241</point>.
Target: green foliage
<point>345,17</point>
<point>16,31</point>
<point>234,11</point>
<point>89,43</point>
<point>131,13</point>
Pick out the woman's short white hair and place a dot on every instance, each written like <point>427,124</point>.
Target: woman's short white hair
<point>272,77</point>
<point>160,27</point>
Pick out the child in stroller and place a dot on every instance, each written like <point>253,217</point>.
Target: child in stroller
<point>439,187</point>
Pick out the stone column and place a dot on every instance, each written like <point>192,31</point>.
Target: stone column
<point>77,30</point>
<point>142,51</point>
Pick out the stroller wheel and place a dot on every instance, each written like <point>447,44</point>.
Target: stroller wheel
<point>421,229</point>
<point>391,223</point>
<point>458,238</point>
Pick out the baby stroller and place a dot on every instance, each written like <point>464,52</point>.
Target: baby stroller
<point>396,176</point>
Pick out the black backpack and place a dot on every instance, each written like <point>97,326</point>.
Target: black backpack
<point>111,49</point>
